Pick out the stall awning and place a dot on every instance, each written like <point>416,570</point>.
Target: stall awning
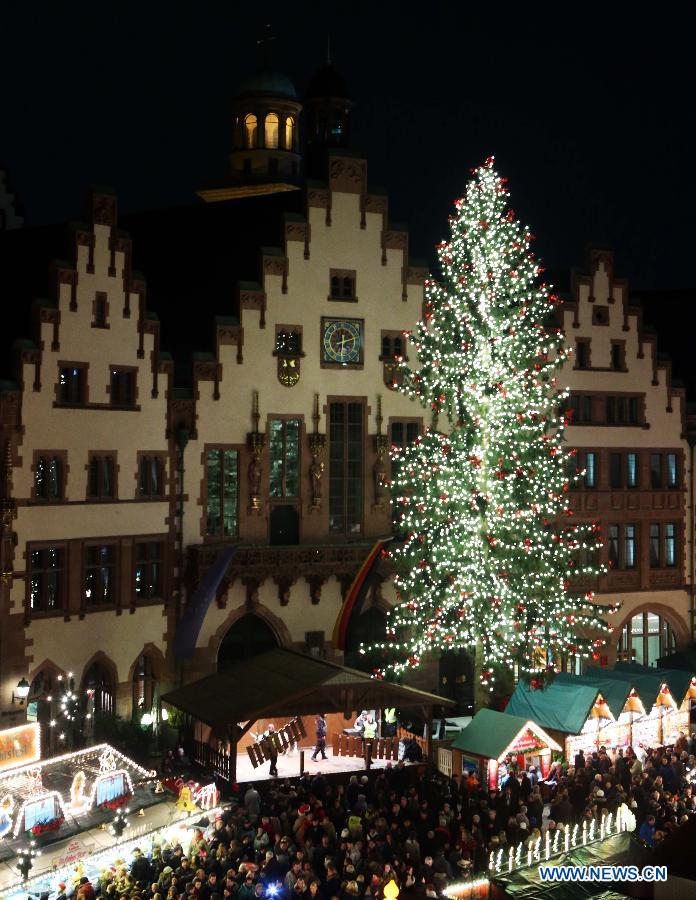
<point>614,690</point>
<point>677,680</point>
<point>282,682</point>
<point>492,734</point>
<point>561,707</point>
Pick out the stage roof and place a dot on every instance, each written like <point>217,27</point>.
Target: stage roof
<point>282,682</point>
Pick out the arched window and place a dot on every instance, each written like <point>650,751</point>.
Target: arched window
<point>144,685</point>
<point>289,133</point>
<point>271,131</point>
<point>251,129</point>
<point>645,638</point>
<point>98,681</point>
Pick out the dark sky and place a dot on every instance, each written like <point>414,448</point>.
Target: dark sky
<point>590,113</point>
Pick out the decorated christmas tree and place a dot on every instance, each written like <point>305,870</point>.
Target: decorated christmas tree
<point>490,550</point>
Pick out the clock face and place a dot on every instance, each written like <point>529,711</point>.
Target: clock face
<point>342,341</point>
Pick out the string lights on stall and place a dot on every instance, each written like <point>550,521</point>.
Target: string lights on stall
<point>490,551</point>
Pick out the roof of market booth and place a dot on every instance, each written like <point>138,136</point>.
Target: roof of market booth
<point>491,733</point>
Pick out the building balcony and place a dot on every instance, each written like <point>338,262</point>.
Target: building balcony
<point>258,562</point>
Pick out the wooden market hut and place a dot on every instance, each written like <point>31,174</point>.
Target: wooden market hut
<point>572,713</point>
<point>284,683</point>
<point>492,737</point>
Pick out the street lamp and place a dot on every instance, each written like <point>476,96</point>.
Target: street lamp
<point>21,692</point>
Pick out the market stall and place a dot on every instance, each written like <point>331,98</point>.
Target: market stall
<point>574,713</point>
<point>495,744</point>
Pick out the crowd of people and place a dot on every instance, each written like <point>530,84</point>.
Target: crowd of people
<point>319,838</point>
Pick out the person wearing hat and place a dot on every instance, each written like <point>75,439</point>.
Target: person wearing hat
<point>62,894</point>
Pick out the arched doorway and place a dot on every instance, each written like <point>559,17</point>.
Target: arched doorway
<point>248,637</point>
<point>284,526</point>
<point>367,628</point>
<point>456,680</point>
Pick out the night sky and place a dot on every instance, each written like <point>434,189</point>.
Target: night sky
<point>590,113</point>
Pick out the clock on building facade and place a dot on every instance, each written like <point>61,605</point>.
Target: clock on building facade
<point>342,342</point>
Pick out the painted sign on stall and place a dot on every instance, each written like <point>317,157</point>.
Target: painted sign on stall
<point>20,746</point>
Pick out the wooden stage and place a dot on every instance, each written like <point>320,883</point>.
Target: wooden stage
<point>289,765</point>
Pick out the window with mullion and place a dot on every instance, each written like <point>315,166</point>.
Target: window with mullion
<point>654,545</point>
<point>656,470</point>
<point>100,485</point>
<point>71,385</point>
<point>284,451</point>
<point>122,387</point>
<point>46,579</point>
<point>222,487</point>
<point>346,467</point>
<point>672,471</point>
<point>150,476</point>
<point>100,575</point>
<point>629,555</point>
<point>149,557</point>
<point>670,542</point>
<point>48,478</point>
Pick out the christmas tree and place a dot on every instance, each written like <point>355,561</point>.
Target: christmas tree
<point>490,549</point>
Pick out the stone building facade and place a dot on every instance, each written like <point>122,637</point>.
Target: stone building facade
<point>121,487</point>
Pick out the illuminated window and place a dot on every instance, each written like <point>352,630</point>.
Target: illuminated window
<point>271,131</point>
<point>672,472</point>
<point>631,470</point>
<point>100,684</point>
<point>284,451</point>
<point>590,469</point>
<point>645,638</point>
<point>250,131</point>
<point>289,133</point>
<point>629,560</point>
<point>222,481</point>
<point>670,544</point>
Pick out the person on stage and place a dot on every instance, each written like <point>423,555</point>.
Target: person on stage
<point>321,729</point>
<point>271,749</point>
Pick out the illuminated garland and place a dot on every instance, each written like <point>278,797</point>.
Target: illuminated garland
<point>489,552</point>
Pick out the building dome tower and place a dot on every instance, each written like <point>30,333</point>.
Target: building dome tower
<point>265,156</point>
<point>265,144</point>
<point>327,107</point>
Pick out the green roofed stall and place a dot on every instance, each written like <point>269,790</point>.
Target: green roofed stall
<point>493,738</point>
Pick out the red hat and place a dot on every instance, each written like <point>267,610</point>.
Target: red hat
<point>61,885</point>
<point>304,809</point>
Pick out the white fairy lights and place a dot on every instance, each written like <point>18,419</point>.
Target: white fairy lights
<point>490,551</point>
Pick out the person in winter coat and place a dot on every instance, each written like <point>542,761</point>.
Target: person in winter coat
<point>321,729</point>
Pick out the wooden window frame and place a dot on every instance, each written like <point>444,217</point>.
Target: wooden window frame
<point>161,458</point>
<point>114,543</point>
<point>61,611</point>
<point>283,499</point>
<point>241,457</point>
<point>71,364</point>
<point>600,315</point>
<point>99,298</point>
<point>117,371</point>
<point>342,534</point>
<point>587,343</point>
<point>286,353</point>
<point>342,275</point>
<point>163,542</point>
<point>100,498</point>
<point>62,457</point>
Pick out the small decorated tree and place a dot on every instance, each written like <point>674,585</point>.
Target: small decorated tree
<point>490,550</point>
